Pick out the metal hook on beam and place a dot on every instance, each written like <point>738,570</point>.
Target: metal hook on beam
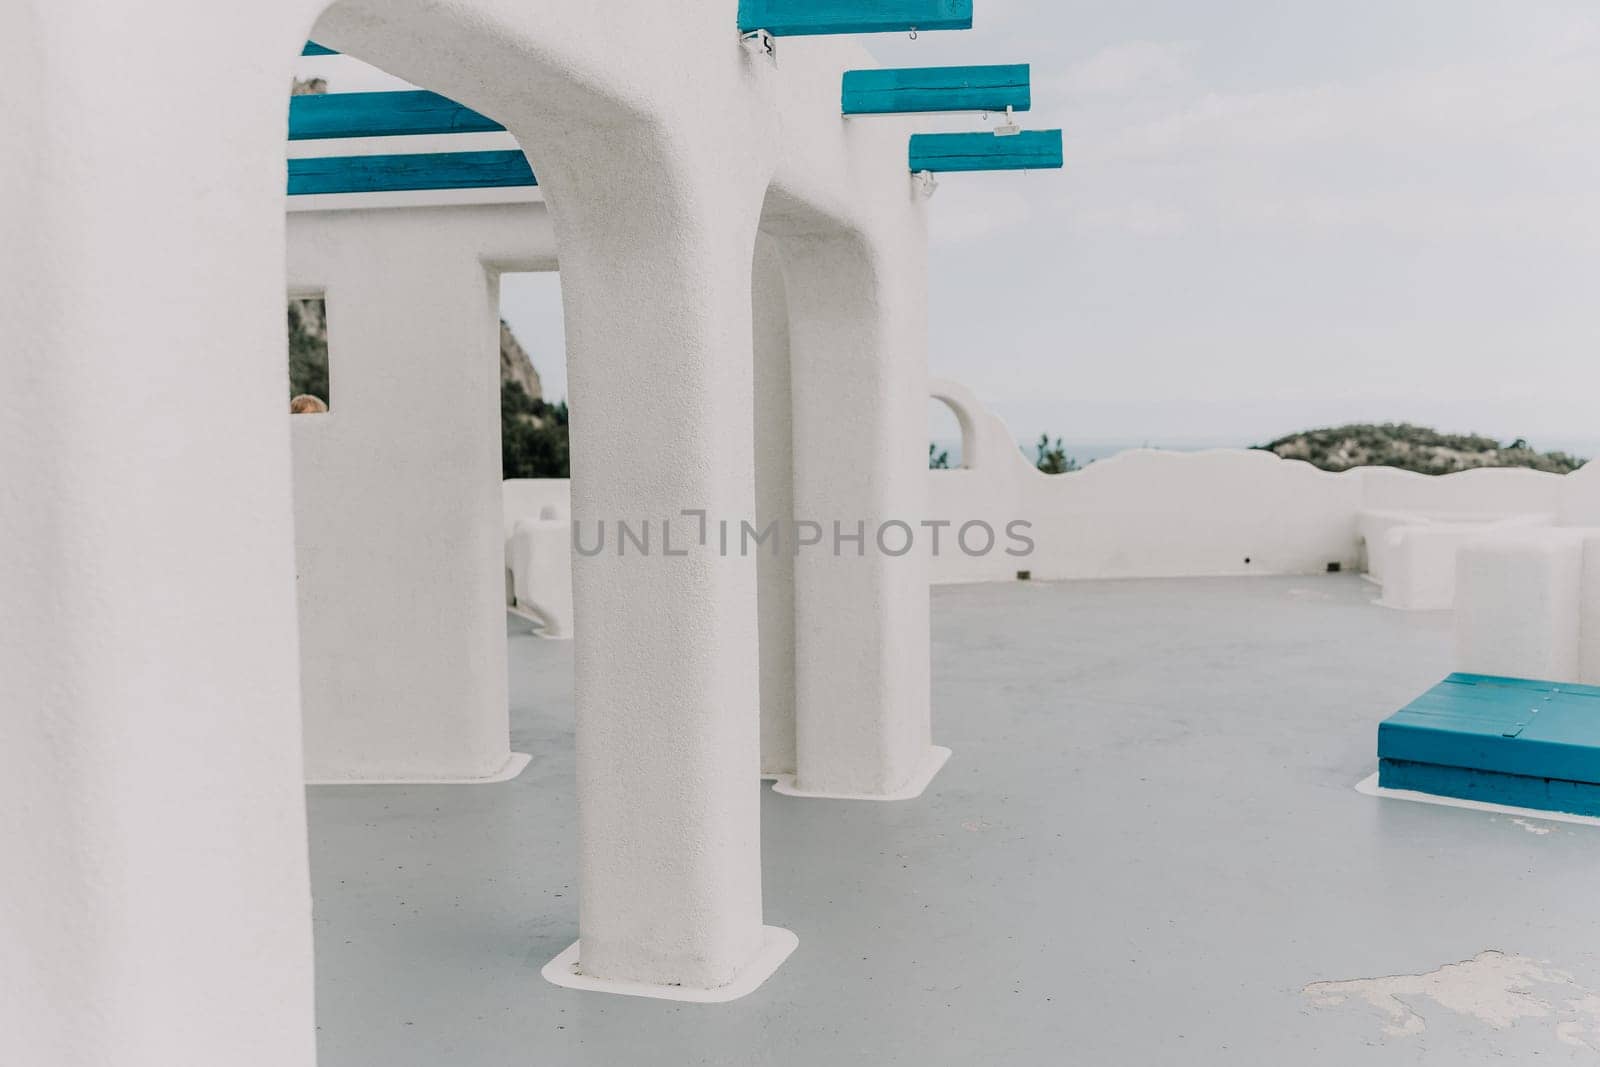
<point>759,43</point>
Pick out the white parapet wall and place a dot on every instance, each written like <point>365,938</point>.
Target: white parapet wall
<point>1412,555</point>
<point>1147,513</point>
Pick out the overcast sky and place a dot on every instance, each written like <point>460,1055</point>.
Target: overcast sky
<point>1275,214</point>
<point>1279,214</point>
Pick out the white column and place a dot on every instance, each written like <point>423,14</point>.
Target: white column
<point>398,512</point>
<point>154,900</point>
<point>858,370</point>
<point>774,474</point>
<point>656,283</point>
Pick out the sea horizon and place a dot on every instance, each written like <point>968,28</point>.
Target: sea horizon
<point>1089,450</point>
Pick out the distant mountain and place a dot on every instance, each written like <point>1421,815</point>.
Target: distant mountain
<point>515,366</point>
<point>1413,448</point>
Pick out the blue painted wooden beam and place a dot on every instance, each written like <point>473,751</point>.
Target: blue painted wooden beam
<point>1028,150</point>
<point>426,170</point>
<point>312,48</point>
<point>803,18</point>
<point>319,115</point>
<point>916,89</point>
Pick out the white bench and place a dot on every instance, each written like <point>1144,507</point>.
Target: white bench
<point>1528,604</point>
<point>1412,554</point>
<point>539,552</point>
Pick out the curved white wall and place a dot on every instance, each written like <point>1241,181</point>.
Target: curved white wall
<point>154,901</point>
<point>1146,514</point>
<point>149,529</point>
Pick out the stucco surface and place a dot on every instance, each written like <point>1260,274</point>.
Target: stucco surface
<point>1147,844</point>
<point>1529,605</point>
<point>1147,513</point>
<point>153,892</point>
<point>398,509</point>
<point>656,219</point>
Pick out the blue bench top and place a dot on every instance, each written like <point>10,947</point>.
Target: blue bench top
<point>1514,726</point>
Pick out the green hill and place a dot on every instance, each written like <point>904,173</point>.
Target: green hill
<point>1413,448</point>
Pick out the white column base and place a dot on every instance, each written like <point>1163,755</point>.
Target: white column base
<point>509,770</point>
<point>776,944</point>
<point>936,758</point>
<point>540,629</point>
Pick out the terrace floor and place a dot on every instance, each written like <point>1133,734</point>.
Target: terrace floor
<point>1145,848</point>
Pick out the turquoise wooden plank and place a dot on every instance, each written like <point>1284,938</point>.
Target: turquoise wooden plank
<point>1519,727</point>
<point>427,170</point>
<point>312,48</point>
<point>914,89</point>
<point>802,18</point>
<point>1028,150</point>
<point>318,115</point>
<point>1497,681</point>
<point>1521,791</point>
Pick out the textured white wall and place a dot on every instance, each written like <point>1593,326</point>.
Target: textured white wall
<point>1520,603</point>
<point>852,236</point>
<point>149,520</point>
<point>154,902</point>
<point>774,473</point>
<point>398,515</point>
<point>1147,513</point>
<point>1589,611</point>
<point>1580,498</point>
<point>857,341</point>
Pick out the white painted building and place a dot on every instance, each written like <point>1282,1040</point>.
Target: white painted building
<point>203,599</point>
<point>728,244</point>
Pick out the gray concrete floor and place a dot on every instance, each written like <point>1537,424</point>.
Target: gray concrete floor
<point>1146,844</point>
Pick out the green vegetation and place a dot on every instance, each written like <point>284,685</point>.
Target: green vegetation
<point>1053,459</point>
<point>533,435</point>
<point>937,460</point>
<point>1413,448</point>
<point>308,348</point>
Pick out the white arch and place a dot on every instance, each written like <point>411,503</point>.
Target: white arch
<point>149,525</point>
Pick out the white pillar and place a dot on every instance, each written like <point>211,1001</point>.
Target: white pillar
<point>858,370</point>
<point>774,474</point>
<point>656,257</point>
<point>154,900</point>
<point>398,503</point>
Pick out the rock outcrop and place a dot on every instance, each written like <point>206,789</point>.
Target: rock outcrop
<point>515,366</point>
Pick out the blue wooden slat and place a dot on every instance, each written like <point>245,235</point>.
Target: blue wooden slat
<point>1028,150</point>
<point>1493,681</point>
<point>912,89</point>
<point>1519,791</point>
<point>428,170</point>
<point>315,116</point>
<point>312,48</point>
<point>798,18</point>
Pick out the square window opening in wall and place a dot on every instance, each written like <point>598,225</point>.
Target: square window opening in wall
<point>308,355</point>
